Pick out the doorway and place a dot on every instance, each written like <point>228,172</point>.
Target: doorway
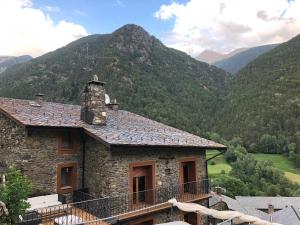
<point>141,184</point>
<point>188,176</point>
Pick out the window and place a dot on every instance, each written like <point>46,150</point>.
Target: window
<point>65,142</point>
<point>66,177</point>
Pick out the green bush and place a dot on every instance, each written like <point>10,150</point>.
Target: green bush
<point>14,195</point>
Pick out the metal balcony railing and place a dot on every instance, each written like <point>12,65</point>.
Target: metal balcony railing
<point>86,208</point>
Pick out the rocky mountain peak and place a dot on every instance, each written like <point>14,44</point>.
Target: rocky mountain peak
<point>132,38</point>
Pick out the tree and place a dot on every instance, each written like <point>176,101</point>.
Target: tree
<point>14,194</point>
<point>269,143</point>
<point>233,186</point>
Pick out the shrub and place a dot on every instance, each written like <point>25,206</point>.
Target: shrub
<point>14,195</point>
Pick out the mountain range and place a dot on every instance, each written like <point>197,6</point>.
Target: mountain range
<point>264,97</point>
<point>143,75</point>
<point>211,57</point>
<point>239,60</point>
<point>167,85</point>
<point>9,61</point>
<point>235,60</point>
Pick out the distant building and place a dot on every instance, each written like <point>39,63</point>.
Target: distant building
<point>283,210</point>
<point>126,165</point>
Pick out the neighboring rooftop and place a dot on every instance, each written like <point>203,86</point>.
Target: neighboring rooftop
<point>288,207</point>
<point>262,202</point>
<point>122,127</point>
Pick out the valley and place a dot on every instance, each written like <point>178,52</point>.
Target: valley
<point>280,162</point>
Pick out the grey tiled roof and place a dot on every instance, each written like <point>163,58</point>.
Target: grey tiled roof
<point>122,127</point>
<point>288,215</point>
<point>262,202</point>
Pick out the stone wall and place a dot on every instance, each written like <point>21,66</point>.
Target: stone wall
<point>165,159</point>
<point>12,143</point>
<point>34,151</point>
<point>97,167</point>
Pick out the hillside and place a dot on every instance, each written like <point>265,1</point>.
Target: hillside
<point>239,60</point>
<point>264,98</point>
<point>211,57</point>
<point>9,61</point>
<point>143,75</point>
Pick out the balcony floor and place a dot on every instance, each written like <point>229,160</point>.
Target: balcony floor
<point>147,209</point>
<point>85,216</point>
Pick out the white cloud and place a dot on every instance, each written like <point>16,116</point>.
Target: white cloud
<point>224,25</point>
<point>52,8</point>
<point>27,30</point>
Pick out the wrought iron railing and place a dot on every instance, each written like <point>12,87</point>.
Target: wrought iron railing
<point>111,208</point>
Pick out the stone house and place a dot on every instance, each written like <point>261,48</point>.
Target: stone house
<point>108,152</point>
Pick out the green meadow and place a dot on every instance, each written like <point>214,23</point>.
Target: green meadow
<point>279,161</point>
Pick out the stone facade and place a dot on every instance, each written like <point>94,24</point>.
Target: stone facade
<point>34,151</point>
<point>97,166</point>
<point>106,173</point>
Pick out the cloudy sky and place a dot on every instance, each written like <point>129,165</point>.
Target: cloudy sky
<point>38,26</point>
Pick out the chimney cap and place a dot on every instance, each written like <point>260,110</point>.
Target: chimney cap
<point>39,95</point>
<point>95,80</point>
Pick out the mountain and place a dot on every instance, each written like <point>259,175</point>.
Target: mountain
<point>9,61</point>
<point>239,60</point>
<point>143,75</point>
<point>264,97</point>
<point>211,57</point>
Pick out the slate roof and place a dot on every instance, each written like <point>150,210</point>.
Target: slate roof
<point>233,204</point>
<point>287,215</point>
<point>122,127</point>
<point>262,202</point>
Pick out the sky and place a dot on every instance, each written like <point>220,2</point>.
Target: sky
<point>35,27</point>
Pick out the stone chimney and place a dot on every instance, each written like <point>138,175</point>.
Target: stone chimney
<point>270,208</point>
<point>93,103</point>
<point>218,190</point>
<point>39,98</point>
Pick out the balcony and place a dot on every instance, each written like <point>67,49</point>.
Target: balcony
<point>125,206</point>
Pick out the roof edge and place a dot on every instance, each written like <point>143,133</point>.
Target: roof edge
<point>7,114</point>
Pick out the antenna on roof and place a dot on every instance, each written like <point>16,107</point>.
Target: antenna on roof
<point>87,68</point>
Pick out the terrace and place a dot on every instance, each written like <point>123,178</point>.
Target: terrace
<point>99,211</point>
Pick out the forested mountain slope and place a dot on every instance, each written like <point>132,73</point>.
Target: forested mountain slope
<point>143,75</point>
<point>238,61</point>
<point>264,98</point>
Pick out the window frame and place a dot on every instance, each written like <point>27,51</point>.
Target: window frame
<point>132,165</point>
<point>65,151</point>
<point>66,189</point>
<point>186,160</point>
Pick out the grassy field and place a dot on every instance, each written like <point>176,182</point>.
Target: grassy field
<point>279,161</point>
<point>220,164</point>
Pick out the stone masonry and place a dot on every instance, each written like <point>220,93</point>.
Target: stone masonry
<point>34,151</point>
<point>93,106</point>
